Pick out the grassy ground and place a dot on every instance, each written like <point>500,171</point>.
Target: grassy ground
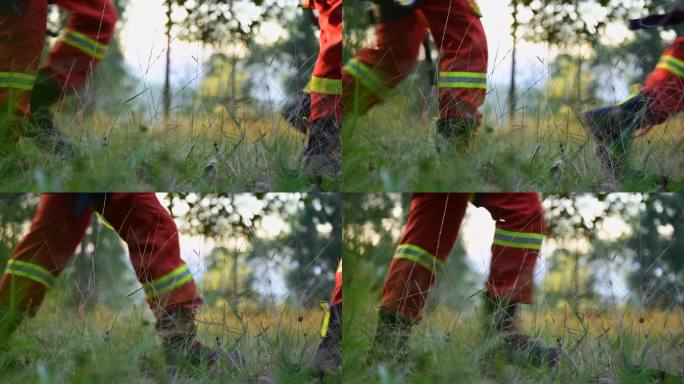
<point>541,152</point>
<point>601,343</point>
<point>106,346</point>
<point>199,154</point>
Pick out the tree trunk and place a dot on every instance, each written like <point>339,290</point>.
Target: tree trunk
<point>575,280</point>
<point>512,97</point>
<point>167,75</point>
<point>578,96</point>
<point>233,85</point>
<point>234,274</point>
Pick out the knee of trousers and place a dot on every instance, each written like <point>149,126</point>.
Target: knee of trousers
<point>97,18</point>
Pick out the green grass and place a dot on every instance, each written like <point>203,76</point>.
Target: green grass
<point>246,154</point>
<point>392,149</point>
<point>104,345</point>
<point>601,343</point>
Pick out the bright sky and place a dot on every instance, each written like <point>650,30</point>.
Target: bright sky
<point>144,45</point>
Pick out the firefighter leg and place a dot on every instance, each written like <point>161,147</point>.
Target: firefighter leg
<point>458,33</point>
<point>152,240</point>
<point>661,97</point>
<point>323,154</point>
<point>82,45</point>
<point>369,77</point>
<point>22,39</point>
<point>664,87</point>
<point>427,239</point>
<point>34,265</point>
<point>520,226</point>
<point>329,354</point>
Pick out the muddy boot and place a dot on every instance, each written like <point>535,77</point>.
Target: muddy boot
<point>501,320</point>
<point>178,331</point>
<point>323,154</point>
<point>391,338</point>
<point>455,134</point>
<point>296,111</point>
<point>40,126</point>
<point>329,354</point>
<point>614,127</point>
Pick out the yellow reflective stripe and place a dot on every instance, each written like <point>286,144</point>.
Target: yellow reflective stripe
<point>85,44</point>
<point>476,75</point>
<point>326,318</point>
<point>339,267</point>
<point>104,221</point>
<point>633,95</point>
<point>326,86</point>
<point>475,8</point>
<point>366,76</point>
<point>307,87</point>
<point>418,255</point>
<point>672,64</point>
<point>463,80</point>
<point>462,85</point>
<point>168,282</point>
<point>17,80</point>
<point>513,239</point>
<point>31,271</point>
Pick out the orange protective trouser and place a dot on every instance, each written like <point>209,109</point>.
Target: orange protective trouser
<point>455,26</point>
<point>326,83</point>
<point>430,233</point>
<point>81,46</point>
<point>664,87</point>
<point>58,226</point>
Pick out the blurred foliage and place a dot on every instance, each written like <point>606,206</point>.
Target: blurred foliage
<point>224,84</point>
<point>356,26</point>
<point>16,210</point>
<point>296,50</point>
<point>646,254</point>
<point>244,67</point>
<point>639,52</point>
<point>248,256</point>
<point>227,21</point>
<point>656,244</point>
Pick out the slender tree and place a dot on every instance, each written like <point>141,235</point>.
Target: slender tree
<point>167,74</point>
<point>512,102</point>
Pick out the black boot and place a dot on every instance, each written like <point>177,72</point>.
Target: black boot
<point>178,331</point>
<point>329,354</point>
<point>323,155</point>
<point>614,127</point>
<point>501,320</point>
<point>391,338</point>
<point>296,111</point>
<point>455,133</point>
<point>40,126</point>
